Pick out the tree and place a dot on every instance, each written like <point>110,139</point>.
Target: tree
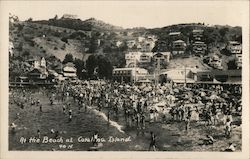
<point>80,69</point>
<point>91,64</point>
<point>232,64</point>
<point>93,45</point>
<point>68,58</point>
<point>101,65</point>
<point>56,17</point>
<point>26,54</point>
<point>30,20</point>
<point>105,68</point>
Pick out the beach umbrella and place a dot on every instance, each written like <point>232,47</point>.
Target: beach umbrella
<point>213,97</point>
<point>176,90</point>
<point>202,94</point>
<point>146,89</point>
<point>224,95</point>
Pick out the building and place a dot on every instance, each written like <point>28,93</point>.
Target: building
<point>147,46</point>
<point>199,47</point>
<point>132,58</point>
<point>146,57</point>
<point>38,74</point>
<point>163,56</point>
<point>238,61</point>
<point>11,48</point>
<point>118,43</point>
<point>197,34</point>
<point>181,75</point>
<point>219,76</point>
<point>174,35</point>
<point>69,16</point>
<point>140,39</point>
<point>69,70</point>
<point>131,43</point>
<point>234,47</point>
<point>178,47</point>
<point>37,62</point>
<point>130,74</point>
<point>215,61</point>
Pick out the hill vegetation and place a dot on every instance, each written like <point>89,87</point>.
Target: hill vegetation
<point>55,38</point>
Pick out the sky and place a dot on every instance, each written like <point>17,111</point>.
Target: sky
<point>128,14</point>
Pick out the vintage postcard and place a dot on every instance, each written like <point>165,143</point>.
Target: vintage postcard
<point>124,79</point>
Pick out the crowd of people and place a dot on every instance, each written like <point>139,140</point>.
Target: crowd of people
<point>138,104</point>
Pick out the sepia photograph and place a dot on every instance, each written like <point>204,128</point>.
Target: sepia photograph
<point>126,76</point>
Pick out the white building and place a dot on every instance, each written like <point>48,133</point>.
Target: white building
<point>69,70</point>
<point>146,57</point>
<point>131,43</point>
<point>130,74</point>
<point>11,47</point>
<point>234,47</point>
<point>37,62</point>
<point>118,43</point>
<point>181,75</point>
<point>132,58</point>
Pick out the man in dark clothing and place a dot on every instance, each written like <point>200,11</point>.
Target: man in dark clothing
<point>152,141</point>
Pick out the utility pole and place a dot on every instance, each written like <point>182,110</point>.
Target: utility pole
<point>185,76</point>
<point>135,71</point>
<point>158,69</point>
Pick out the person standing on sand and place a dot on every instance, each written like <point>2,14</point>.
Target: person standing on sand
<point>152,141</point>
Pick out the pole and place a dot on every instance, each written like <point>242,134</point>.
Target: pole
<point>158,69</point>
<point>135,71</point>
<point>185,76</point>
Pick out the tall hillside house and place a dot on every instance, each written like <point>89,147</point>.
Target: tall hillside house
<point>178,47</point>
<point>199,47</point>
<point>163,56</point>
<point>197,34</point>
<point>235,48</point>
<point>132,58</point>
<point>146,57</point>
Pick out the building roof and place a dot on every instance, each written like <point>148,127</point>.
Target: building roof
<point>199,42</point>
<point>235,73</point>
<point>69,64</point>
<point>179,41</point>
<point>174,33</point>
<point>197,31</point>
<point>234,42</point>
<point>69,69</point>
<point>69,74</point>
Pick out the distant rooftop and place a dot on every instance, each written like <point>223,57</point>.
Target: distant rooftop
<point>174,33</point>
<point>197,30</point>
<point>234,42</point>
<point>179,41</point>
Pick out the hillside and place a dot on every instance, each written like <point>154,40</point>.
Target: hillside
<point>54,38</point>
<point>90,24</point>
